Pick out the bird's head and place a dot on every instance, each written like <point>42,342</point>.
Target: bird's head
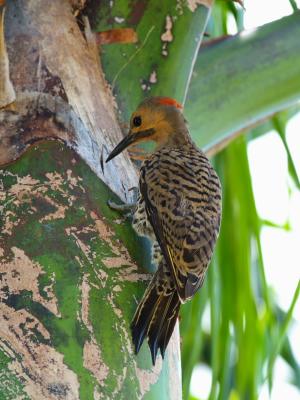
<point>157,119</point>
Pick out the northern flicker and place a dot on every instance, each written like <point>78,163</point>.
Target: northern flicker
<point>179,209</point>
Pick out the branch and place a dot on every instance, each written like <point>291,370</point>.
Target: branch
<point>162,62</point>
<point>7,93</point>
<point>61,94</point>
<point>50,55</point>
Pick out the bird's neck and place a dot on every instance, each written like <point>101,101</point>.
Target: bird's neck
<point>174,132</point>
<point>177,139</point>
<point>181,138</point>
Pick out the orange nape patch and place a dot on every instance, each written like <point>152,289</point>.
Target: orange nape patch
<point>169,102</point>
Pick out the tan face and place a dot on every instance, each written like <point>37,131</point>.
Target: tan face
<point>150,122</point>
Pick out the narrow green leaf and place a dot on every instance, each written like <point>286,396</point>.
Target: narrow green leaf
<point>190,329</point>
<point>288,355</point>
<point>286,226</point>
<point>279,125</point>
<point>294,5</point>
<point>282,334</point>
<point>267,125</point>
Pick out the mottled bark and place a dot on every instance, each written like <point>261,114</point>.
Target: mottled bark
<point>69,284</point>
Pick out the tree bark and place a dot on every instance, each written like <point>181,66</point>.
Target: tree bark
<point>69,284</point>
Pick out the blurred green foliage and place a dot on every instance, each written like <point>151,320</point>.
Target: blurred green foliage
<point>247,329</point>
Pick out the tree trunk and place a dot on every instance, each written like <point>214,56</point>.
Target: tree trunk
<point>69,282</point>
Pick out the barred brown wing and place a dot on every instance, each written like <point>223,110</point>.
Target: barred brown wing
<point>182,196</point>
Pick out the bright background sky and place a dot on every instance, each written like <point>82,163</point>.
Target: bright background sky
<point>277,200</point>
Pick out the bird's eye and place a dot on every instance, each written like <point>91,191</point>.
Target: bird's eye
<point>137,121</point>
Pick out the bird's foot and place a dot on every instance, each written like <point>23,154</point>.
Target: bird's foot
<point>135,194</point>
<point>126,209</point>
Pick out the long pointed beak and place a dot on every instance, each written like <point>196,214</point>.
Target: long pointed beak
<point>128,140</point>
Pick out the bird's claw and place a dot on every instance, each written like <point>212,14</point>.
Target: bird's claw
<point>128,209</point>
<point>135,194</point>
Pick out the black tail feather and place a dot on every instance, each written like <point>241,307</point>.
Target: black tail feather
<point>155,317</point>
<point>142,318</point>
<point>169,325</point>
<point>156,325</point>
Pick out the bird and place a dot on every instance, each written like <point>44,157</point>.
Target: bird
<point>178,208</point>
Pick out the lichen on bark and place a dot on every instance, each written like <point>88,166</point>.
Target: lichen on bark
<point>68,274</point>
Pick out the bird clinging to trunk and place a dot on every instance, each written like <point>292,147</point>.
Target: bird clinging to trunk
<point>179,209</point>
